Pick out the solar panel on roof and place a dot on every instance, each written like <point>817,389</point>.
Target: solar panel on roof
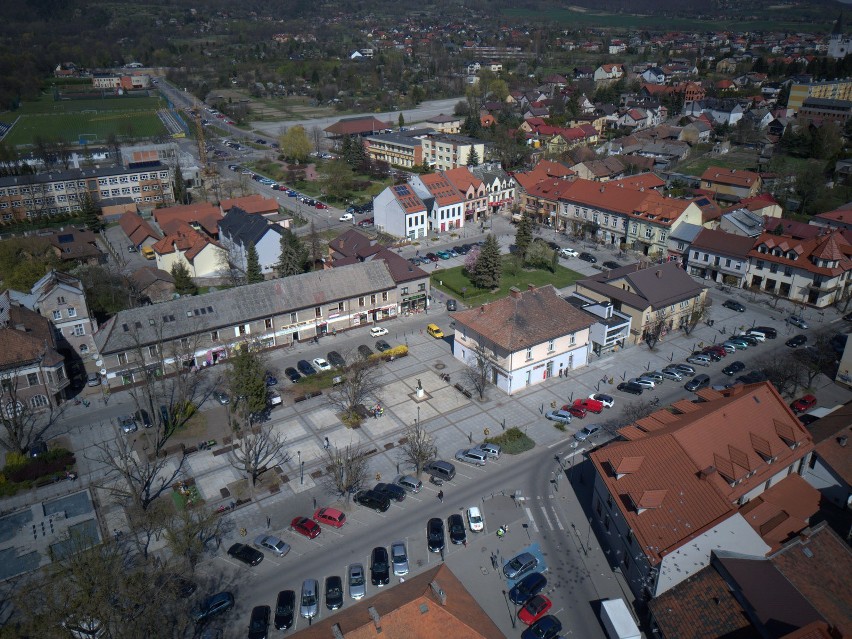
<point>66,239</point>
<point>702,202</point>
<point>401,190</point>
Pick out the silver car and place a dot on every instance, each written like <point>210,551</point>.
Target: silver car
<point>399,558</point>
<point>309,601</point>
<point>644,382</point>
<point>127,423</point>
<point>357,585</point>
<point>492,450</point>
<point>411,484</point>
<point>518,566</point>
<point>670,373</point>
<point>272,544</point>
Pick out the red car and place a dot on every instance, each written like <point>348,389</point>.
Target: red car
<point>575,411</point>
<point>330,517</point>
<point>591,405</point>
<point>320,205</point>
<point>716,349</point>
<point>534,609</point>
<point>307,527</point>
<point>804,403</point>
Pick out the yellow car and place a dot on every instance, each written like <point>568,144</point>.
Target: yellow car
<point>434,331</point>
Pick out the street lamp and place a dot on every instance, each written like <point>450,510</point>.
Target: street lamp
<point>301,472</point>
<point>509,608</point>
<point>418,415</point>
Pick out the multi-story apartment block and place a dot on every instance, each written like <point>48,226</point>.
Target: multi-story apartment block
<point>445,152</point>
<point>720,256</point>
<point>394,148</point>
<point>202,331</point>
<point>45,194</point>
<point>832,90</point>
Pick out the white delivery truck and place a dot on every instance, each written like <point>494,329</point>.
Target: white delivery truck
<point>618,621</point>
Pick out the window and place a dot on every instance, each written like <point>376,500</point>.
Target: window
<point>572,339</point>
<point>706,257</point>
<point>372,300</point>
<point>529,353</point>
<point>184,342</point>
<point>57,315</point>
<point>214,336</point>
<point>385,296</point>
<point>60,300</point>
<point>79,330</point>
<point>72,312</point>
<point>405,290</point>
<point>728,263</point>
<point>243,329</point>
<point>421,286</point>
<point>695,255</point>
<point>293,318</point>
<point>649,233</point>
<point>84,348</point>
<point>551,346</point>
<point>759,264</point>
<point>317,311</point>
<point>268,323</point>
<point>773,268</point>
<point>634,228</point>
<point>32,379</point>
<point>122,359</point>
<point>152,351</point>
<point>38,401</point>
<point>788,271</point>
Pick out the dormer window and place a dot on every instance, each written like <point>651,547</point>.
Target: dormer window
<point>762,249</point>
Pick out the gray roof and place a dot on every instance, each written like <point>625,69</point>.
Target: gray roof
<point>488,172</point>
<point>244,228</point>
<point>685,232</point>
<point>78,174</point>
<point>397,138</point>
<point>221,309</point>
<point>657,286</point>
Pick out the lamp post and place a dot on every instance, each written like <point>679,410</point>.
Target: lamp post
<point>509,608</point>
<point>418,415</point>
<point>301,472</point>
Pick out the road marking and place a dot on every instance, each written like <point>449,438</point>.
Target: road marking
<point>549,523</point>
<point>532,521</point>
<point>558,523</point>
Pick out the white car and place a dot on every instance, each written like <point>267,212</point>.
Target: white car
<point>644,382</point>
<point>346,217</point>
<point>378,331</point>
<point>321,365</point>
<point>606,400</point>
<point>474,519</point>
<point>568,252</point>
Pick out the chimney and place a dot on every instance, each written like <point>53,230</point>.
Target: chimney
<point>515,292</point>
<point>530,287</point>
<point>842,440</point>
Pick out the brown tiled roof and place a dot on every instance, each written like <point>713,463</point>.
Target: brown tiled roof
<point>74,244</point>
<point>701,607</point>
<point>643,180</point>
<point>723,243</point>
<point>836,454</point>
<point>658,286</point>
<point>783,511</point>
<point>829,246</point>
<point>441,189</point>
<point>255,204</point>
<point>463,179</point>
<point>203,213</point>
<point>353,243</point>
<point>733,177</point>
<point>184,239</point>
<point>137,229</point>
<point>524,319</point>
<point>144,276</point>
<point>819,564</point>
<point>411,610</point>
<point>401,269</point>
<point>407,198</point>
<point>28,337</point>
<point>357,126</point>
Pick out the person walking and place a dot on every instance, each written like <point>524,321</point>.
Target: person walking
<point>441,496</point>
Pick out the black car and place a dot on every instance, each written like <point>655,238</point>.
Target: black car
<point>382,346</point>
<point>391,491</point>
<point>259,622</point>
<point>734,306</point>
<point>143,418</point>
<point>178,586</point>
<point>435,534</point>
<point>455,525</point>
<point>333,592</point>
<point>372,499</point>
<point>733,368</point>
<point>292,374</point>
<point>527,587</point>
<point>547,627</point>
<point>379,566</point>
<point>214,605</point>
<point>770,332</point>
<point>630,387</point>
<point>285,608</point>
<point>305,367</point>
<point>364,351</point>
<point>588,257</point>
<point>451,305</point>
<point>611,265</point>
<point>245,554</point>
<point>796,341</point>
<point>753,377</point>
<point>712,354</point>
<point>335,359</point>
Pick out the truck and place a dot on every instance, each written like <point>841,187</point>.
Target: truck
<point>617,620</point>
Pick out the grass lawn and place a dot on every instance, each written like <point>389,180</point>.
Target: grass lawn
<point>734,160</point>
<point>454,280</point>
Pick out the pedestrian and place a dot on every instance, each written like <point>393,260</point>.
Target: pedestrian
<point>327,443</point>
<point>441,496</point>
<point>268,522</point>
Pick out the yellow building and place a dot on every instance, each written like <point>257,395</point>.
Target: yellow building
<point>833,90</point>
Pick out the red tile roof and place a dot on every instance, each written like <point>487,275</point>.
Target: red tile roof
<point>184,239</point>
<point>255,203</point>
<point>463,179</point>
<point>830,247</point>
<point>136,229</point>
<point>783,511</point>
<point>732,177</point>
<point>407,198</point>
<point>204,214</point>
<point>31,342</point>
<point>441,189</point>
<point>357,126</point>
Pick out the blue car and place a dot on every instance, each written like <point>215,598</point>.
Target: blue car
<point>271,380</point>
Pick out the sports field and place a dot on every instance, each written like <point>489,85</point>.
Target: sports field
<point>92,120</point>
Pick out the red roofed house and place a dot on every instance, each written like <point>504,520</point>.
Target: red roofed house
<point>608,73</point>
<point>138,231</point>
<point>444,203</point>
<point>839,218</point>
<point>811,271</point>
<point>735,183</point>
<point>525,338</point>
<point>473,191</point>
<point>356,126</point>
<point>201,216</point>
<point>671,495</point>
<point>400,212</point>
<point>255,204</point>
<point>202,256</point>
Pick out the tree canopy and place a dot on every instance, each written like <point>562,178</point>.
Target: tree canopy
<point>295,144</point>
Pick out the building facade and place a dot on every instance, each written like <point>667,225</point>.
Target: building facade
<point>445,152</point>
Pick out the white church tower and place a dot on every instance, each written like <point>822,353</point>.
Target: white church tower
<point>839,45</point>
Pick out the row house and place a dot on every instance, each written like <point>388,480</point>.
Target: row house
<point>444,203</point>
<point>814,271</point>
<point>32,371</point>
<point>526,338</point>
<point>201,255</point>
<point>398,211</point>
<point>720,256</point>
<point>499,186</point>
<point>395,148</point>
<point>683,484</point>
<point>204,331</point>
<point>473,191</point>
<point>734,184</point>
<point>52,193</point>
<point>239,230</point>
<point>445,152</point>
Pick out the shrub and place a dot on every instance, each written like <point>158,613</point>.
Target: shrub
<point>54,461</point>
<point>393,353</point>
<point>513,441</point>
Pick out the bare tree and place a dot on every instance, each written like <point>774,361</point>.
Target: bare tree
<point>479,369</point>
<point>654,329</point>
<point>360,381</point>
<point>700,310</point>
<point>22,422</point>
<point>316,138</point>
<point>347,470</point>
<point>419,447</point>
<point>147,525</point>
<point>258,450</point>
<point>633,411</point>
<point>818,358</point>
<point>785,372</point>
<point>192,531</point>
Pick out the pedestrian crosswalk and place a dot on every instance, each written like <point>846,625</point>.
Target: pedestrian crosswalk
<point>543,513</point>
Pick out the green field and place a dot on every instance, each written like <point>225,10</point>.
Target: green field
<point>96,119</point>
<point>733,160</point>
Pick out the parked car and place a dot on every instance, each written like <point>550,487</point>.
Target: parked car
<point>357,581</point>
<point>452,305</point>
<point>527,587</point>
<point>143,418</point>
<point>127,423</point>
<point>697,383</point>
<point>379,567</point>
<point>770,332</point>
<point>796,341</point>
<point>285,608</point>
<point>806,402</point>
<point>330,517</point>
<point>455,526</point>
<point>630,387</point>
<point>685,369</point>
<point>346,217</point>
<point>321,365</point>
<point>586,432</point>
<point>378,331</point>
<point>490,449</point>
<point>333,592</point>
<point>575,411</point>
<point>391,491</point>
<point>292,374</point>
<point>259,622</point>
<point>568,252</point>
<point>534,609</point>
<point>304,526</point>
<point>561,416</point>
<point>604,399</point>
<point>713,354</point>
<point>371,499</point>
<point>273,544</point>
<point>519,565</point>
<point>547,627</point>
<point>590,404</point>
<point>474,519</point>
<point>245,554</point>
<point>435,534</point>
<point>672,374</point>
<point>611,265</point>
<point>444,255</point>
<point>221,397</point>
<point>644,382</point>
<point>798,321</point>
<point>733,368</point>
<point>472,456</point>
<point>309,600</point>
<point>213,605</point>
<point>409,483</point>
<point>700,360</point>
<point>734,306</point>
<point>588,257</point>
<point>432,257</point>
<point>93,379</point>
<point>336,359</point>
<point>382,346</point>
<point>305,367</point>
<point>399,558</point>
<point>365,351</point>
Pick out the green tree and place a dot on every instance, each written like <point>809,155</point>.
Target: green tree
<point>254,274</point>
<point>473,157</point>
<point>489,265</point>
<point>246,378</point>
<point>336,178</point>
<point>523,237</point>
<point>401,121</point>
<point>91,211</point>
<point>353,151</point>
<point>293,255</point>
<point>295,144</point>
<point>183,282</point>
<point>181,194</point>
